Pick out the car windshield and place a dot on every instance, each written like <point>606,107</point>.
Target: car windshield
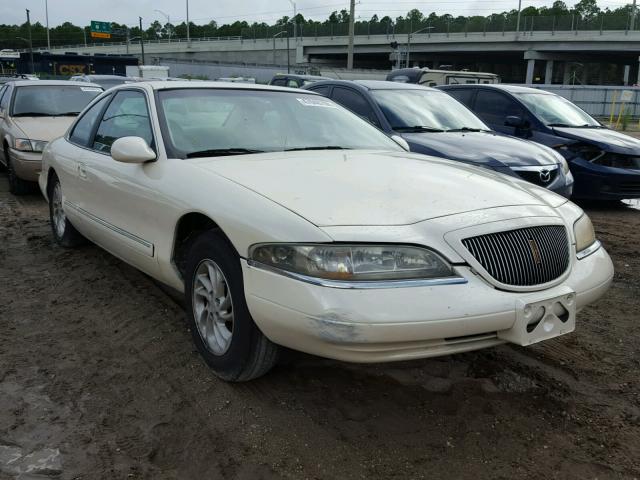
<point>556,111</point>
<point>425,110</point>
<point>208,122</point>
<point>52,100</point>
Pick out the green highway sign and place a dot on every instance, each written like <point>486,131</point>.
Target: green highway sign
<point>100,27</point>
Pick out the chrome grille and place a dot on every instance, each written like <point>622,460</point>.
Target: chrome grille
<point>523,257</point>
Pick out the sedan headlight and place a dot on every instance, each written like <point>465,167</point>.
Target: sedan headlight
<point>27,145</point>
<point>353,262</point>
<point>585,235</point>
<point>564,164</point>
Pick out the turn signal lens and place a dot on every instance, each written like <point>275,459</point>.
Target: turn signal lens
<point>584,232</point>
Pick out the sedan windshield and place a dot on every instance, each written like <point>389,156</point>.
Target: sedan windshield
<point>555,111</point>
<point>424,110</point>
<point>52,100</point>
<point>214,122</point>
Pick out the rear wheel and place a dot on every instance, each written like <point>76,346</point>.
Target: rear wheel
<point>64,233</point>
<point>221,326</point>
<point>17,186</point>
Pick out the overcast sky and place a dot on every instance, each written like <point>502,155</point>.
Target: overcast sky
<point>81,12</point>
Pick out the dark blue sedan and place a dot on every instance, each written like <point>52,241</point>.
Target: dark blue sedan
<point>604,163</point>
<point>433,123</point>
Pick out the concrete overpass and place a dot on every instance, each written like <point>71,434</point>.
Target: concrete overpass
<point>596,57</point>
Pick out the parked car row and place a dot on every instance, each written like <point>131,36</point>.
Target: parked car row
<point>289,221</point>
<point>536,135</point>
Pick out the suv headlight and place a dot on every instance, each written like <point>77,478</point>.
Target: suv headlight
<point>584,233</point>
<point>27,145</point>
<point>353,262</point>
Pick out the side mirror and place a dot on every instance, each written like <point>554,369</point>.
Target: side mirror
<point>516,122</point>
<point>401,141</point>
<point>132,150</point>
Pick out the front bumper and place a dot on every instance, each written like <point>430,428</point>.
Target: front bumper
<point>598,182</point>
<point>26,165</point>
<point>377,325</point>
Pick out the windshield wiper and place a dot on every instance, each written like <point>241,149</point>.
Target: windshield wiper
<point>221,152</point>
<point>466,129</point>
<point>566,125</point>
<point>325,147</point>
<point>66,114</point>
<point>32,114</point>
<point>417,128</point>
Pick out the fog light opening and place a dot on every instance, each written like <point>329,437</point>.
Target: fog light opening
<point>560,312</point>
<point>536,317</point>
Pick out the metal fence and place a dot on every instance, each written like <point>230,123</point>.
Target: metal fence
<point>599,101</point>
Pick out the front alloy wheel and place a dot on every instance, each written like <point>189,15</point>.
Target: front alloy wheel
<point>213,307</point>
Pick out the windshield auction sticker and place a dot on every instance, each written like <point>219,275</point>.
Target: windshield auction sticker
<point>90,89</point>
<point>316,102</point>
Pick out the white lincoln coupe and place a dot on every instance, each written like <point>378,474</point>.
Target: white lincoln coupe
<point>288,221</point>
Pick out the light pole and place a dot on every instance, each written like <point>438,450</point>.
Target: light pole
<point>409,43</point>
<point>46,14</point>
<point>141,41</point>
<point>274,45</point>
<point>352,14</point>
<point>30,41</point>
<point>519,12</point>
<point>633,16</point>
<point>295,20</point>
<point>168,20</point>
<point>188,37</point>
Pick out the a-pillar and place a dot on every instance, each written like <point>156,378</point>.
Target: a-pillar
<point>548,73</point>
<point>531,65</point>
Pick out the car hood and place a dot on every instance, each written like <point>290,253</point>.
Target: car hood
<point>603,138</point>
<point>360,187</point>
<point>489,149</point>
<point>43,128</point>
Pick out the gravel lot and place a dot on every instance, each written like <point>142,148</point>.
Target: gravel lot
<point>99,380</point>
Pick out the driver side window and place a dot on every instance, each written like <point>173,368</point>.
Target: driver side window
<point>495,107</point>
<point>126,116</point>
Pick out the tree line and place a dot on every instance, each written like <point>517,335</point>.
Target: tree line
<point>585,11</point>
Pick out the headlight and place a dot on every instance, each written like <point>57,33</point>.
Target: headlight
<point>564,164</point>
<point>353,262</point>
<point>27,145</point>
<point>585,235</point>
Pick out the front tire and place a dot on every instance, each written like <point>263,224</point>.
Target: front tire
<point>64,233</point>
<point>221,326</point>
<point>17,186</point>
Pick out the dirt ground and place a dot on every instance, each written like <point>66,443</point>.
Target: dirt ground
<point>99,380</point>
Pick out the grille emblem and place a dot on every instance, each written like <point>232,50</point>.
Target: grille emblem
<point>535,251</point>
<point>545,176</point>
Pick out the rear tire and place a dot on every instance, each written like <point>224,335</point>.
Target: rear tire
<point>221,326</point>
<point>17,186</point>
<point>64,233</point>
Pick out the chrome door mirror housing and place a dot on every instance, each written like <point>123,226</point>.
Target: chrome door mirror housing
<point>132,150</point>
